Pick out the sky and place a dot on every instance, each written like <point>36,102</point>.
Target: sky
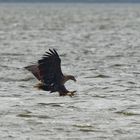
<point>132,1</point>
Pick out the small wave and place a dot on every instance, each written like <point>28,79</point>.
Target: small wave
<point>24,115</point>
<point>9,67</point>
<point>50,104</point>
<point>101,76</point>
<point>136,72</point>
<point>28,115</point>
<point>89,130</point>
<point>117,65</point>
<point>83,125</point>
<point>73,107</point>
<point>99,96</point>
<point>130,82</point>
<point>98,76</point>
<point>86,128</point>
<point>16,80</point>
<point>114,56</point>
<point>11,54</point>
<point>127,113</point>
<point>26,79</point>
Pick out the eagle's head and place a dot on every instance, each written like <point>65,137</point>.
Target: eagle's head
<point>71,77</point>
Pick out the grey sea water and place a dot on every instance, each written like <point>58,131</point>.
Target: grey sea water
<point>99,44</point>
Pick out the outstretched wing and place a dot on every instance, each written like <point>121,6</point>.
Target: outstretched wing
<point>35,71</point>
<point>50,70</point>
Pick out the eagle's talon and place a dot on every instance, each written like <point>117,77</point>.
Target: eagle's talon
<point>72,93</point>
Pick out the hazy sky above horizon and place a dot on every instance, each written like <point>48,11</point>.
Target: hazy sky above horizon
<point>132,1</point>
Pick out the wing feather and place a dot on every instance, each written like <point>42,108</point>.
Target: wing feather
<point>34,70</point>
<point>50,70</point>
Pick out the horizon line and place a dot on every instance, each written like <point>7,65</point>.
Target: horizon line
<point>67,2</point>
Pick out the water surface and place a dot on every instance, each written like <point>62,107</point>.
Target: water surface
<point>99,44</point>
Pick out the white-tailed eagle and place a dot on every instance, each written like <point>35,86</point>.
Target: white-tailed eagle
<point>48,72</point>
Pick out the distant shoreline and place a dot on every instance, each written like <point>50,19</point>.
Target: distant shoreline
<point>71,2</point>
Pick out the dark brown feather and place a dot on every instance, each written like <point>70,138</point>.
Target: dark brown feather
<point>62,90</point>
<point>34,70</point>
<point>50,70</point>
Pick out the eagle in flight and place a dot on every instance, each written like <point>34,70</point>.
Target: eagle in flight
<point>48,72</point>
